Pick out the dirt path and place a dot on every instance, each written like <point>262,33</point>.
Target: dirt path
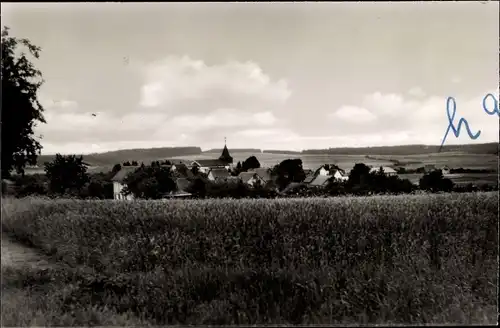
<point>16,255</point>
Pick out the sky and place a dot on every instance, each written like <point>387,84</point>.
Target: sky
<point>264,75</point>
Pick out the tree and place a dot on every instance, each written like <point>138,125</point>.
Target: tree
<point>150,182</point>
<point>359,174</point>
<point>289,170</point>
<point>31,184</point>
<point>98,188</point>
<point>116,168</point>
<point>250,163</point>
<point>435,181</point>
<point>66,173</point>
<point>195,169</point>
<point>198,188</point>
<point>21,109</point>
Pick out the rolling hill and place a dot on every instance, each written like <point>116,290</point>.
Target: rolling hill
<point>148,155</point>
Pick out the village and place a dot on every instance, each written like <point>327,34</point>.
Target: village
<point>223,171</point>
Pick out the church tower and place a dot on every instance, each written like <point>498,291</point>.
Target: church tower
<point>225,154</point>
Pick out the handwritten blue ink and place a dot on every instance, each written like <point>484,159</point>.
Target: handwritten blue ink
<point>451,105</point>
<point>495,105</point>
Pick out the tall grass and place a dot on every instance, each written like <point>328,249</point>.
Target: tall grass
<point>387,259</point>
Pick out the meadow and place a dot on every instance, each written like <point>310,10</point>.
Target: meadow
<point>382,259</point>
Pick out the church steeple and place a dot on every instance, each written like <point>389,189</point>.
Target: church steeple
<point>225,154</point>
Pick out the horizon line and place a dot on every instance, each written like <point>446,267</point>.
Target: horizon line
<point>282,150</point>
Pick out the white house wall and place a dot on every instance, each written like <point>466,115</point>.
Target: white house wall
<point>323,172</point>
<point>117,192</point>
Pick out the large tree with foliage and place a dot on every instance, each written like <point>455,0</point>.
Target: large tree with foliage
<point>66,173</point>
<point>435,181</point>
<point>150,182</point>
<point>289,170</point>
<point>21,109</point>
<point>250,163</point>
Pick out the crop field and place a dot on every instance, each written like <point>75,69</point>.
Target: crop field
<point>383,259</point>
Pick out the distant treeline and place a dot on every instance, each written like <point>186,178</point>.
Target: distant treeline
<point>272,151</point>
<point>142,155</point>
<point>234,150</point>
<point>486,148</point>
<point>422,170</point>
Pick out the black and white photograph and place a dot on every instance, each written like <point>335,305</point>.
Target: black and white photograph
<point>249,163</point>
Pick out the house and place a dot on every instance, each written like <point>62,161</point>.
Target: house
<point>232,180</point>
<point>263,172</point>
<point>205,165</point>
<point>388,171</point>
<point>340,175</point>
<point>309,178</point>
<point>319,181</point>
<point>322,171</point>
<point>182,171</point>
<point>218,174</point>
<point>182,185</point>
<point>251,178</point>
<point>445,170</point>
<point>328,170</point>
<point>429,168</point>
<point>118,182</point>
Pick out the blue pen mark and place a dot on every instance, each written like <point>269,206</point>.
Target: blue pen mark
<point>495,105</point>
<point>451,105</point>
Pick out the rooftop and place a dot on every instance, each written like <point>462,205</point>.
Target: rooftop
<point>246,176</point>
<point>220,173</point>
<point>210,162</point>
<point>320,180</point>
<point>124,171</point>
<point>262,172</point>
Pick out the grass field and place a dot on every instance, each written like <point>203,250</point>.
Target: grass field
<point>384,259</point>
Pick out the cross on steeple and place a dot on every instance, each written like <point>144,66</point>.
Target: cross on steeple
<point>224,141</point>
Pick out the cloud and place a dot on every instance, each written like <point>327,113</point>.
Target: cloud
<point>353,114</point>
<point>182,101</point>
<point>223,118</point>
<point>183,85</point>
<point>407,119</point>
<point>416,92</point>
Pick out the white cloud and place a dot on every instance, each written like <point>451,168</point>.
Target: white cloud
<point>174,82</point>
<point>403,120</point>
<point>182,100</point>
<point>222,118</point>
<point>416,92</point>
<point>353,114</point>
